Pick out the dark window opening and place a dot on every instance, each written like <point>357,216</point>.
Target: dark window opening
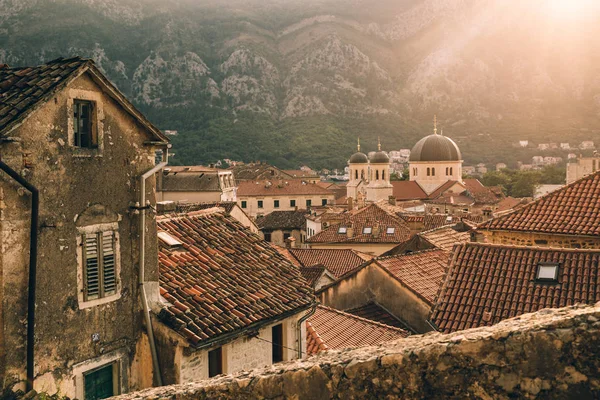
<point>308,203</point>
<point>323,202</point>
<point>83,129</point>
<point>292,203</point>
<point>275,203</point>
<point>277,343</point>
<point>215,362</point>
<point>99,383</point>
<point>260,204</point>
<point>267,236</point>
<point>540,241</point>
<point>286,235</point>
<point>244,204</point>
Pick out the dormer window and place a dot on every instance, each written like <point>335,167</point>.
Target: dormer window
<point>367,230</point>
<point>342,229</point>
<point>83,124</point>
<point>390,230</point>
<point>547,272</point>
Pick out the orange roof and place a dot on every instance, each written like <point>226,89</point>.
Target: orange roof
<point>369,217</point>
<point>446,237</point>
<point>571,210</point>
<point>337,261</point>
<point>408,190</point>
<point>329,328</point>
<point>487,283</point>
<point>422,272</point>
<point>280,188</point>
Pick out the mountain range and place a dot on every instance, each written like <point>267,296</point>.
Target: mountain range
<point>295,82</point>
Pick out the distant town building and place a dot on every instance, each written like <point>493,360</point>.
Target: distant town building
<point>586,144</point>
<point>469,170</point>
<point>500,166</point>
<point>584,166</point>
<point>523,143</point>
<point>565,146</point>
<point>170,133</point>
<point>543,146</point>
<point>196,184</point>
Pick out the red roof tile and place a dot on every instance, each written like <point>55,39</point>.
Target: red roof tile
<point>408,190</point>
<point>282,187</point>
<point>367,217</point>
<point>374,312</point>
<point>329,328</point>
<point>446,237</point>
<point>421,272</point>
<point>337,261</point>
<point>226,277</point>
<point>312,274</point>
<point>572,210</point>
<point>488,283</point>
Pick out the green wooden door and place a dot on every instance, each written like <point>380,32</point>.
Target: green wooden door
<point>99,383</point>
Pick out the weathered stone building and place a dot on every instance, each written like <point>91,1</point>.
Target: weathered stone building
<point>197,184</point>
<point>67,131</point>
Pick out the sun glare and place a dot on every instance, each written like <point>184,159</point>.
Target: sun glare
<point>570,8</point>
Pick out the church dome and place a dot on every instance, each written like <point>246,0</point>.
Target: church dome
<point>380,158</point>
<point>435,148</point>
<point>358,158</point>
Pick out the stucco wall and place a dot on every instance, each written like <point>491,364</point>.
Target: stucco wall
<point>284,203</point>
<point>375,249</point>
<point>70,180</point>
<point>551,354</point>
<point>191,197</point>
<point>373,284</point>
<point>183,364</point>
<point>541,239</point>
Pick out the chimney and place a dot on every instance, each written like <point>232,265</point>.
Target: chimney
<point>392,200</point>
<point>350,203</point>
<point>349,231</point>
<point>290,243</point>
<point>376,229</point>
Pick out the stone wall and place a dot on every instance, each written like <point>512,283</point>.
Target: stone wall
<point>549,354</point>
<point>541,239</point>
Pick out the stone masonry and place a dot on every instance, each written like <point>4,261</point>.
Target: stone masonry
<point>554,353</point>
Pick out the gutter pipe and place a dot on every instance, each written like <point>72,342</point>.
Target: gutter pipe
<point>299,333</point>
<point>33,239</point>
<point>142,207</point>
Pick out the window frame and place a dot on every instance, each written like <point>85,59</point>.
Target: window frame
<point>390,230</point>
<point>84,299</point>
<point>308,203</point>
<point>244,204</point>
<point>97,121</point>
<point>220,367</point>
<point>542,265</point>
<point>323,202</point>
<point>367,230</point>
<point>91,124</point>
<point>260,204</point>
<point>275,203</point>
<point>277,347</point>
<point>342,230</point>
<point>293,203</point>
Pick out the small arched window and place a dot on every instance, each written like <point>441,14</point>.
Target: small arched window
<point>376,175</point>
<point>356,174</point>
<point>450,170</point>
<point>428,171</point>
<point>383,175</point>
<point>432,171</point>
<point>447,170</point>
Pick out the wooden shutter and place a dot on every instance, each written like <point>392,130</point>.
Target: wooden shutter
<point>109,272</point>
<point>91,267</point>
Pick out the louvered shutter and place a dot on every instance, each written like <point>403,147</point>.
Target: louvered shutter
<point>108,262</point>
<point>92,267</point>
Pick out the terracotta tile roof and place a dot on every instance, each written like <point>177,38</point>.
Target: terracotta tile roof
<point>277,220</point>
<point>571,210</point>
<point>408,190</point>
<point>258,171</point>
<point>432,221</point>
<point>367,217</point>
<point>508,203</point>
<point>282,187</point>
<point>190,182</point>
<point>483,194</point>
<point>22,90</point>
<point>223,278</point>
<point>488,283</point>
<point>184,207</point>
<point>312,274</point>
<point>298,173</point>
<point>337,261</point>
<point>446,237</point>
<point>443,187</point>
<point>329,328</point>
<point>191,169</point>
<point>421,272</point>
<point>374,312</point>
<point>288,256</point>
